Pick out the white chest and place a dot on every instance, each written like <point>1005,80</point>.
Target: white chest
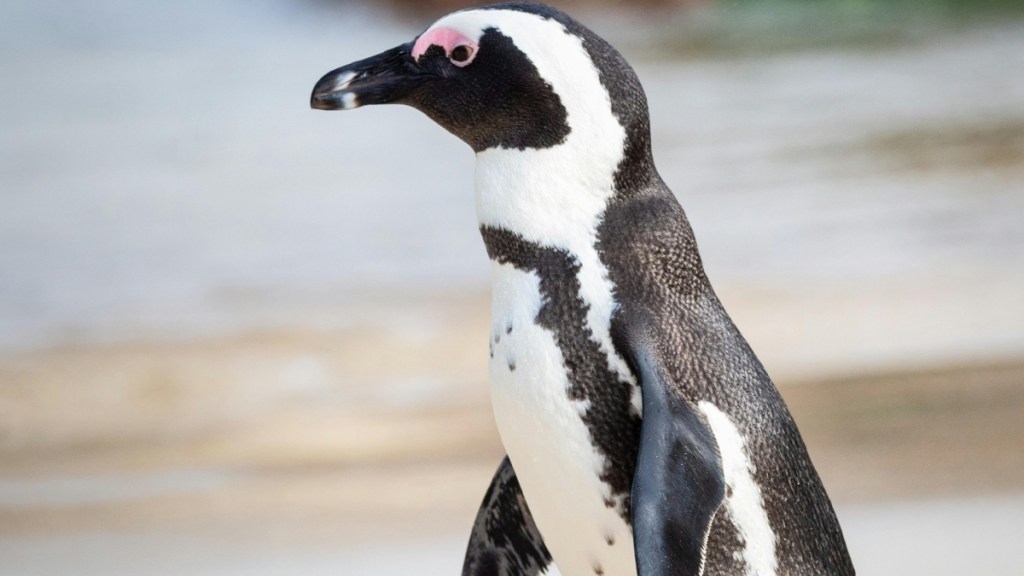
<point>546,438</point>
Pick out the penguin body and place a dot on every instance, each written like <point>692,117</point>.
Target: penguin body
<point>643,435</point>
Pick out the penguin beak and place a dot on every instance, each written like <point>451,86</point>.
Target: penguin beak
<point>387,77</point>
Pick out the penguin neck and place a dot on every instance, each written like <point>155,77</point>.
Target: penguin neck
<point>540,212</point>
<point>554,197</point>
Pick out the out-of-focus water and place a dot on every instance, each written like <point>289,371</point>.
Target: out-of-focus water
<point>158,159</point>
<point>162,173</point>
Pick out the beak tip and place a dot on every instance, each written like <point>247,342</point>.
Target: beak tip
<point>316,102</point>
<point>339,100</point>
<point>379,79</point>
<point>330,92</point>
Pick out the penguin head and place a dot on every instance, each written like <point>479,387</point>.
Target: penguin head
<point>512,76</point>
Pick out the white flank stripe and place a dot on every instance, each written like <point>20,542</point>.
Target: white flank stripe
<point>745,505</point>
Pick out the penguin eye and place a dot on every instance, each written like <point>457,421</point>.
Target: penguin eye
<point>462,55</point>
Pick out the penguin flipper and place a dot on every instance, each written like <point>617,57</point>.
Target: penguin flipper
<point>505,541</point>
<point>679,483</point>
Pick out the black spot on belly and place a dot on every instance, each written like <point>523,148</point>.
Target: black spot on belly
<point>511,365</point>
<point>613,427</point>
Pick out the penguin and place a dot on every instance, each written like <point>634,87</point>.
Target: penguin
<point>643,436</point>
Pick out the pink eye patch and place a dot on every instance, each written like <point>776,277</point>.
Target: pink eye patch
<point>449,39</point>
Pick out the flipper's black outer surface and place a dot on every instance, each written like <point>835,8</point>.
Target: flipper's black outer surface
<point>678,484</point>
<point>505,541</point>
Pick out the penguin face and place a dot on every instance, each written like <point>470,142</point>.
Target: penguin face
<point>496,77</point>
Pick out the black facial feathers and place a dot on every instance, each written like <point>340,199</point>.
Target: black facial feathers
<point>500,100</point>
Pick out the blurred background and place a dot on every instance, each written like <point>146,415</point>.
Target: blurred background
<point>240,336</point>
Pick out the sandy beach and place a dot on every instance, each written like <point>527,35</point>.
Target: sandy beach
<point>186,469</point>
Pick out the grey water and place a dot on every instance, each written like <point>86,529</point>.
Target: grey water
<point>162,174</point>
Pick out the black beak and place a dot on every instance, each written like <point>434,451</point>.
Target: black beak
<point>387,77</point>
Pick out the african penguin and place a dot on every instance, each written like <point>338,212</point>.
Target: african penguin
<point>643,435</point>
